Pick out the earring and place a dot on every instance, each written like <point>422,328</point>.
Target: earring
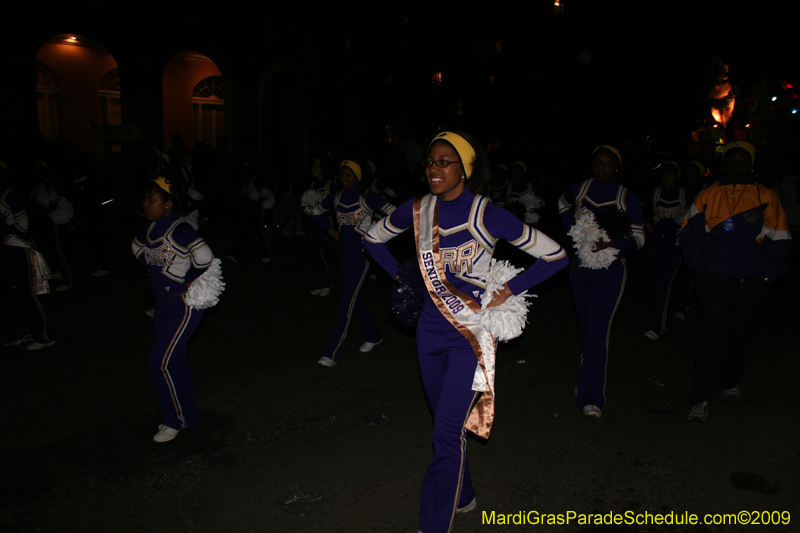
<point>463,177</point>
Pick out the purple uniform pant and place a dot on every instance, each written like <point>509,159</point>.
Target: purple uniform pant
<point>597,294</point>
<point>354,270</point>
<point>15,267</point>
<point>665,259</point>
<point>447,364</point>
<point>175,322</point>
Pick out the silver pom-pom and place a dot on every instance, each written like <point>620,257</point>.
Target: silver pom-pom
<point>63,212</point>
<point>193,219</point>
<point>310,198</point>
<point>507,320</point>
<point>586,233</point>
<point>206,289</point>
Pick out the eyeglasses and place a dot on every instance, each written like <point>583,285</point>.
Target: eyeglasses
<point>441,163</point>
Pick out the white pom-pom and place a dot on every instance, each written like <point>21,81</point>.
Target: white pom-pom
<point>531,217</point>
<point>505,321</point>
<point>532,204</point>
<point>193,219</point>
<point>531,201</point>
<point>63,212</point>
<point>206,289</point>
<point>586,233</point>
<point>310,198</point>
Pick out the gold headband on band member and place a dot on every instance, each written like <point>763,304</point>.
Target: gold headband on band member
<point>162,182</point>
<point>352,165</point>
<point>465,151</point>
<point>610,149</point>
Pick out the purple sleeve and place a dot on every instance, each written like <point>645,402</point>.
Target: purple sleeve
<point>324,206</point>
<point>565,206</point>
<point>376,238</point>
<point>634,210</point>
<point>550,256</point>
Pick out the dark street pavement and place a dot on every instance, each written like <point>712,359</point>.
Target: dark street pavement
<point>78,418</point>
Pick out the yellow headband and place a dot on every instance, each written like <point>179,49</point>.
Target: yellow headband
<point>464,150</point>
<point>740,144</point>
<point>610,149</point>
<point>371,166</point>
<point>521,164</point>
<point>165,157</point>
<point>674,164</point>
<point>162,183</point>
<point>352,165</point>
<point>700,166</point>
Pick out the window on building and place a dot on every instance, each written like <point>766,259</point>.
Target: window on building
<point>108,92</point>
<point>208,102</point>
<point>47,100</point>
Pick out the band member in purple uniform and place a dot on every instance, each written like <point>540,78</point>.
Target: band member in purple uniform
<point>175,255</point>
<point>20,263</point>
<point>456,231</point>
<point>597,288</point>
<point>316,236</point>
<point>665,207</point>
<point>355,209</point>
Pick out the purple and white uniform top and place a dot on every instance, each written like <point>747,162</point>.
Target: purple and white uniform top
<point>174,254</point>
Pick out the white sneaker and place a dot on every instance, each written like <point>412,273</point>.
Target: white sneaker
<point>469,507</point>
<point>321,292</point>
<point>38,345</point>
<point>62,287</point>
<point>699,412</point>
<point>732,393</point>
<point>165,433</point>
<point>680,316</point>
<point>368,346</point>
<point>151,312</point>
<point>100,273</point>
<point>266,259</point>
<point>652,335</point>
<point>592,411</point>
<point>326,361</point>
